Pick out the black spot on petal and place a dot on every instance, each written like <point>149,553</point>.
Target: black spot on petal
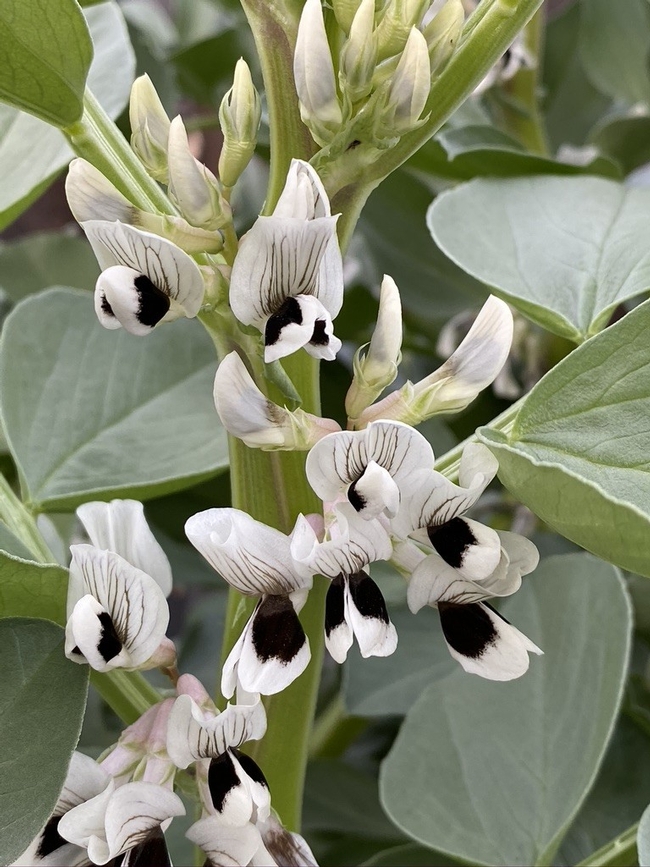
<point>467,628</point>
<point>154,303</point>
<point>277,633</point>
<point>251,768</point>
<point>334,605</point>
<point>151,852</point>
<point>222,778</point>
<point>109,644</point>
<point>451,540</point>
<point>106,307</point>
<point>355,498</point>
<point>289,313</point>
<point>319,337</point>
<point>50,840</point>
<point>367,597</point>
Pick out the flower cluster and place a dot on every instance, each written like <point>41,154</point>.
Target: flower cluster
<point>117,809</point>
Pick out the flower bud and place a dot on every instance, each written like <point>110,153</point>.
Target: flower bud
<point>359,54</point>
<point>443,32</point>
<point>239,115</point>
<point>409,89</point>
<point>314,75</point>
<point>192,186</point>
<point>378,368</point>
<point>399,17</point>
<point>247,414</point>
<point>149,127</point>
<point>344,12</point>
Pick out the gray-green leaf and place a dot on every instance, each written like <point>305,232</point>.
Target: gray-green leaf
<point>42,703</point>
<point>579,451</point>
<point>493,773</point>
<point>94,413</point>
<point>45,53</point>
<point>30,589</point>
<point>564,251</point>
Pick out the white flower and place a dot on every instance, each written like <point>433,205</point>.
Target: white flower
<point>378,367</point>
<point>192,186</point>
<point>472,367</point>
<point>375,468</point>
<point>256,560</point>
<point>85,779</point>
<point>247,414</point>
<point>287,278</point>
<point>236,791</point>
<point>469,564</point>
<point>313,72</point>
<point>410,85</point>
<point>120,819</point>
<point>264,844</point>
<point>149,127</point>
<point>145,279</point>
<point>117,614</point>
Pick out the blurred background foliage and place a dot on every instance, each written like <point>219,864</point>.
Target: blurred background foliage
<point>594,102</point>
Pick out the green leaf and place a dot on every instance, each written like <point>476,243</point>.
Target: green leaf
<point>578,452</point>
<point>643,839</point>
<point>493,773</point>
<point>564,251</point>
<point>29,589</point>
<point>96,413</point>
<point>410,855</point>
<point>465,152</point>
<point>377,687</point>
<point>43,260</point>
<point>32,153</point>
<point>10,544</point>
<point>614,44</point>
<point>621,792</point>
<point>45,53</point>
<point>624,139</point>
<point>42,703</point>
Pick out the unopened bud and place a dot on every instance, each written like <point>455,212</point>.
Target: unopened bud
<point>149,127</point>
<point>247,414</point>
<point>359,54</point>
<point>239,114</point>
<point>192,186</point>
<point>344,12</point>
<point>399,17</point>
<point>314,76</point>
<point>378,368</point>
<point>443,32</point>
<point>409,89</point>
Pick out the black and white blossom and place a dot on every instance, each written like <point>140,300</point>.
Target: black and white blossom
<point>374,468</point>
<point>145,279</point>
<point>469,564</point>
<point>287,278</point>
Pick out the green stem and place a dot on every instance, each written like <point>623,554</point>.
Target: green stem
<point>274,27</point>
<point>125,692</point>
<point>334,730</point>
<point>354,174</point>
<point>520,115</point>
<point>619,852</point>
<point>97,139</point>
<point>22,524</point>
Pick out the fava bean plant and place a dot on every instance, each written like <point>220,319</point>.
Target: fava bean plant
<point>364,328</point>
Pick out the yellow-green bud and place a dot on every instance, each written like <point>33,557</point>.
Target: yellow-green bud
<point>410,85</point>
<point>443,32</point>
<point>359,54</point>
<point>149,127</point>
<point>396,23</point>
<point>344,11</point>
<point>239,115</point>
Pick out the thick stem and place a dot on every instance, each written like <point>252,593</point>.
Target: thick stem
<point>274,27</point>
<point>520,114</point>
<point>125,692</point>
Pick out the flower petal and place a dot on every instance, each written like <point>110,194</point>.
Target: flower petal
<point>225,845</point>
<point>367,614</point>
<point>275,650</point>
<point>484,642</point>
<point>282,257</point>
<point>192,734</point>
<point>167,267</point>
<point>470,547</point>
<point>91,636</point>
<point>338,632</point>
<point>288,850</point>
<point>434,581</point>
<point>374,493</point>
<point>84,825</point>
<point>134,810</point>
<point>121,526</point>
<point>132,600</point>
<point>303,196</point>
<point>238,788</point>
<point>300,321</point>
<point>152,850</point>
<point>252,557</point>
